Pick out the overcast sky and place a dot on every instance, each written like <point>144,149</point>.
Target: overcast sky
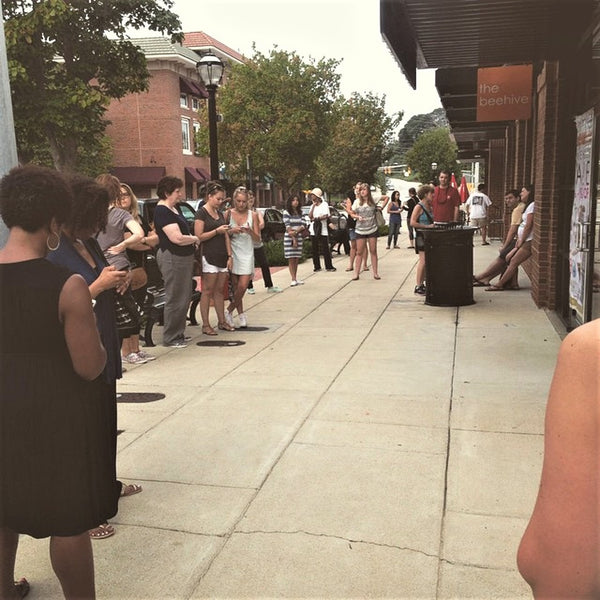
<point>340,29</point>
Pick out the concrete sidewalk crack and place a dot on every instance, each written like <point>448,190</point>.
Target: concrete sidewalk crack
<point>338,537</point>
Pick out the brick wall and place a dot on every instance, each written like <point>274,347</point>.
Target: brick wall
<point>541,267</point>
<point>146,128</point>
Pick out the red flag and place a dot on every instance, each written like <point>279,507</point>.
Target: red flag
<point>463,190</point>
<point>453,181</point>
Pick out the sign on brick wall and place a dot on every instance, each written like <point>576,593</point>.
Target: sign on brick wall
<point>504,93</point>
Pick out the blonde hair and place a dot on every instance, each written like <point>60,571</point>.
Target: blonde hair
<point>133,208</point>
<point>370,201</point>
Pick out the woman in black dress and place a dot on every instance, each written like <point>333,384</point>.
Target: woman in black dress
<point>56,475</point>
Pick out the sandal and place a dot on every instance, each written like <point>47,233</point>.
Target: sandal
<point>376,277</point>
<point>355,279</point>
<point>350,269</point>
<point>479,283</point>
<point>102,531</point>
<point>494,288</point>
<point>130,489</point>
<point>225,327</point>
<point>208,330</point>
<point>22,587</point>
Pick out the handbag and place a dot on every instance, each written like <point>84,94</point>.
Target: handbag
<point>139,278</point>
<point>379,218</point>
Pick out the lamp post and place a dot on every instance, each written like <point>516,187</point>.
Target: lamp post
<point>210,69</point>
<point>433,170</point>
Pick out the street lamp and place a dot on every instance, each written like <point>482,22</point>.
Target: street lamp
<point>210,68</point>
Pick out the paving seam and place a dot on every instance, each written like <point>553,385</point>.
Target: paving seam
<point>446,468</point>
<point>310,412</point>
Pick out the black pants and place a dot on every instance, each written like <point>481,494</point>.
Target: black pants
<point>260,259</point>
<point>323,242</point>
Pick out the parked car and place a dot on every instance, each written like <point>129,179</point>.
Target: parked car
<point>274,228</point>
<point>146,207</point>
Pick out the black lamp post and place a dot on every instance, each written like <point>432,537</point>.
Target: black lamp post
<point>210,68</point>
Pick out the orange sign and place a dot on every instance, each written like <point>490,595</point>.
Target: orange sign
<point>504,93</point>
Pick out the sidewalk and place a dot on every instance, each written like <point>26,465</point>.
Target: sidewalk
<point>362,444</point>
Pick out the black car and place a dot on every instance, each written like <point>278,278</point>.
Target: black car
<point>274,228</point>
<point>146,207</point>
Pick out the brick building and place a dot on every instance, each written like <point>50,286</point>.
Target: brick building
<point>555,146</point>
<point>153,132</point>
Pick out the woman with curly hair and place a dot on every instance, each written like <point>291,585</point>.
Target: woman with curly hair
<point>53,417</point>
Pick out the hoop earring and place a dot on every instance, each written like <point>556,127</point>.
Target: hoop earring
<point>57,242</point>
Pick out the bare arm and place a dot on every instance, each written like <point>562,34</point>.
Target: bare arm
<point>81,334</point>
<point>175,236</point>
<point>204,236</point>
<point>558,555</point>
<point>526,231</point>
<point>137,233</point>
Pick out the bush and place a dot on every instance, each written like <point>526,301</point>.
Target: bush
<point>276,257</point>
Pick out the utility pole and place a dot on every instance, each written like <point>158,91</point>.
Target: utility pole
<point>8,143</point>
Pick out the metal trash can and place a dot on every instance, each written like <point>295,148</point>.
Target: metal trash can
<point>449,265</point>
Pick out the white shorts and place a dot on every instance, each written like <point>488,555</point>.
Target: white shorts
<point>208,268</point>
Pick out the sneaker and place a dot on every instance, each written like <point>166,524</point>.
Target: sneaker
<point>177,344</point>
<point>316,270</point>
<point>187,338</point>
<point>274,290</point>
<point>294,283</point>
<point>331,270</point>
<point>299,282</point>
<point>250,291</point>
<point>229,319</point>
<point>134,359</point>
<point>420,289</point>
<point>243,321</point>
<point>145,355</point>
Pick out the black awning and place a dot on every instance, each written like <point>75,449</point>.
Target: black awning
<point>139,175</point>
<point>438,34</point>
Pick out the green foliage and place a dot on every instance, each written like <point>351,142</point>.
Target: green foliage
<point>66,61</point>
<point>432,146</point>
<point>276,110</point>
<point>275,255</point>
<point>360,131</point>
<point>416,125</point>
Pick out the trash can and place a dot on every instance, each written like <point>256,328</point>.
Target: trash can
<point>449,266</point>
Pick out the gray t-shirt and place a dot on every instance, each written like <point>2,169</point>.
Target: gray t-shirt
<point>113,235</point>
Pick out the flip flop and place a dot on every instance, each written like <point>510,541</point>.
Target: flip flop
<point>102,531</point>
<point>130,489</point>
<point>350,269</point>
<point>209,331</point>
<point>22,587</point>
<point>494,288</point>
<point>355,279</point>
<point>478,283</point>
<point>376,277</point>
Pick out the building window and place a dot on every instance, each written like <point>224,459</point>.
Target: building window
<point>183,100</point>
<point>185,136</point>
<point>196,128</point>
<point>195,103</point>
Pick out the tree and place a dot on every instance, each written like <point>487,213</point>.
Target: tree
<point>415,126</point>
<point>66,61</point>
<point>433,146</point>
<point>357,144</point>
<point>276,111</point>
